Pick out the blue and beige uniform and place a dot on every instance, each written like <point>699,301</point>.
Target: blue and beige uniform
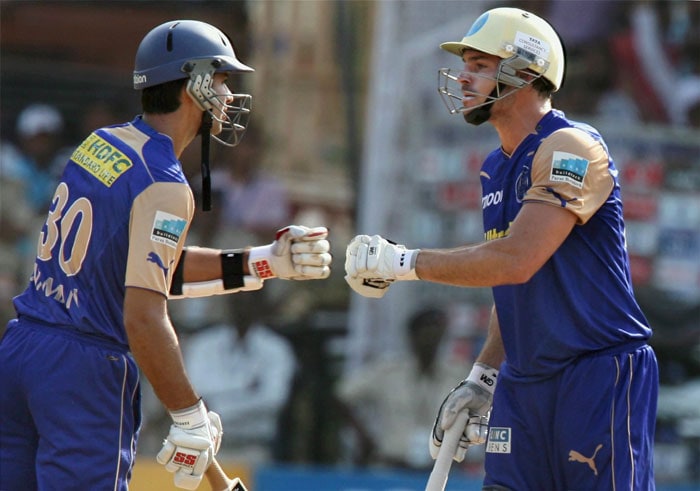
<point>577,359</point>
<point>69,388</point>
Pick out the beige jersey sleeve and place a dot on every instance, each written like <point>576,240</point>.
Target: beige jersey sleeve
<point>160,218</point>
<point>570,169</point>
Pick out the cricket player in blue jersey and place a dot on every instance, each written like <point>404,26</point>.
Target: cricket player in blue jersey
<point>566,375</point>
<point>109,256</point>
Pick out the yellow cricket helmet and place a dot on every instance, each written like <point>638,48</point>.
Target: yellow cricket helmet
<point>512,33</point>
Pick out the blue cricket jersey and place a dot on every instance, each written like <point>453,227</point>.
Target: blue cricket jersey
<point>581,300</point>
<point>118,218</point>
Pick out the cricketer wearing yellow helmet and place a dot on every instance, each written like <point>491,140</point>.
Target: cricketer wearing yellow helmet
<point>563,393</point>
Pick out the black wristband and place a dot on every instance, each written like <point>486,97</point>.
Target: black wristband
<point>178,275</point>
<point>232,268</point>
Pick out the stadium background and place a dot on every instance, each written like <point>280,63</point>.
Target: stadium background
<point>346,93</point>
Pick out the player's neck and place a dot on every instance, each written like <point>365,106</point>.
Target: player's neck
<point>516,122</point>
<point>181,128</point>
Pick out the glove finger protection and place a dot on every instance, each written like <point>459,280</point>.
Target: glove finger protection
<point>356,255</point>
<point>191,444</point>
<point>311,247</point>
<point>375,252</point>
<point>474,395</point>
<point>310,254</point>
<point>312,234</point>
<point>191,480</point>
<point>311,273</point>
<point>312,258</point>
<point>278,258</point>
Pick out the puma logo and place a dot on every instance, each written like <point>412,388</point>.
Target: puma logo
<point>155,258</point>
<point>574,456</point>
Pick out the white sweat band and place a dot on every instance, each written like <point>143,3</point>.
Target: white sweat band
<point>484,376</point>
<point>190,417</point>
<point>405,264</point>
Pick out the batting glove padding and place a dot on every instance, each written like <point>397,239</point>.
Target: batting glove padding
<point>474,395</point>
<point>193,441</point>
<point>298,253</point>
<point>377,259</point>
<point>368,288</point>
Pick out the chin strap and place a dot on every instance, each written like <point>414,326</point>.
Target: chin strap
<point>205,132</point>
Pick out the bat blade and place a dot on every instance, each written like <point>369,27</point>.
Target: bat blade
<point>441,468</point>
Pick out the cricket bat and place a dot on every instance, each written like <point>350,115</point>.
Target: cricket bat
<point>441,468</point>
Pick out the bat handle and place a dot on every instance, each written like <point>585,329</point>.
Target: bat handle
<point>441,468</point>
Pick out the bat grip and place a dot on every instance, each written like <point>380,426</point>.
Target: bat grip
<point>441,468</point>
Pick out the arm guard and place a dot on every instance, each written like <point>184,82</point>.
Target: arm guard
<point>233,279</point>
<point>216,287</point>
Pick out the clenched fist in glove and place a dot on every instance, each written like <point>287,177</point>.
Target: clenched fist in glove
<point>194,439</point>
<point>474,395</point>
<point>373,263</point>
<point>298,253</point>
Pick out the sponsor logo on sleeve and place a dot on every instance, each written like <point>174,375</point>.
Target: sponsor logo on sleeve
<point>167,229</point>
<point>568,168</point>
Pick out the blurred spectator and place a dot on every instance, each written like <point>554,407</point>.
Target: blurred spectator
<point>592,85</point>
<point>244,370</point>
<point>391,403</point>
<point>634,45</point>
<point>580,22</point>
<point>657,55</point>
<point>629,62</point>
<point>249,204</point>
<point>593,88</point>
<point>37,159</point>
<point>29,170</point>
<point>103,112</point>
<point>689,68</point>
<point>15,219</point>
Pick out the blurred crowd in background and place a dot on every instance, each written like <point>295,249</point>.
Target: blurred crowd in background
<point>271,362</point>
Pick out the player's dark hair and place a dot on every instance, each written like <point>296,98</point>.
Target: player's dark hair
<point>543,87</point>
<point>163,98</point>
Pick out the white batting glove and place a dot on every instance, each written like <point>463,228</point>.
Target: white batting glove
<point>376,258</point>
<point>193,441</point>
<point>474,395</point>
<point>298,253</point>
<point>365,287</point>
<point>368,288</point>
